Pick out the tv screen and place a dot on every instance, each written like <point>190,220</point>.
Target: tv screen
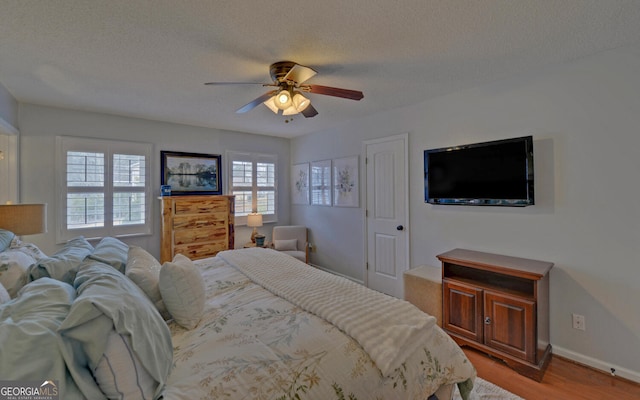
<point>497,173</point>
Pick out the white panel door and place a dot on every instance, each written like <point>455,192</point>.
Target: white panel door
<point>387,214</point>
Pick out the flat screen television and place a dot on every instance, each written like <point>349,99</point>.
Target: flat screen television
<point>497,173</point>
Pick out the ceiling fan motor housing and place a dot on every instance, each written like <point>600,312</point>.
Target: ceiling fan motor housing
<point>279,70</point>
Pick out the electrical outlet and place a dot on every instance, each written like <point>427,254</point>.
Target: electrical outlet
<point>579,322</point>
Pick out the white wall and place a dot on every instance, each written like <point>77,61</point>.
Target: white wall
<point>585,121</point>
<point>40,125</point>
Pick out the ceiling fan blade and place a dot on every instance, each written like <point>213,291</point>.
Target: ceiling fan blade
<point>299,73</point>
<point>336,92</point>
<point>239,83</point>
<point>309,112</point>
<point>250,106</point>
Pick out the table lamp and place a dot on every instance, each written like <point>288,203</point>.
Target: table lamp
<point>254,220</point>
<point>24,219</point>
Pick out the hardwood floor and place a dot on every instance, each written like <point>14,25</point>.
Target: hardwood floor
<point>564,380</point>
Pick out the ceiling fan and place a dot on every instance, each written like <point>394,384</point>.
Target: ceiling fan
<point>288,79</point>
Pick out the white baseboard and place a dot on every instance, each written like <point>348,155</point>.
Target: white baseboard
<point>597,364</point>
<point>337,273</point>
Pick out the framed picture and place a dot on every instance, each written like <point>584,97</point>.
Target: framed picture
<point>346,191</point>
<point>191,173</point>
<point>300,183</point>
<point>321,183</point>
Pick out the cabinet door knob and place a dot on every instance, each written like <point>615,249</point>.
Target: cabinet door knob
<point>487,320</point>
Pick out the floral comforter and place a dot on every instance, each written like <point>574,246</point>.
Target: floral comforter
<point>252,344</point>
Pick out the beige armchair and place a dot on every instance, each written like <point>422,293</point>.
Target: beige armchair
<point>292,240</point>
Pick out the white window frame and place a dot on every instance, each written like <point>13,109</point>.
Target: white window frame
<point>65,144</point>
<point>254,158</point>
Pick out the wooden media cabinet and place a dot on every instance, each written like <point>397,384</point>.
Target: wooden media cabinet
<point>499,305</point>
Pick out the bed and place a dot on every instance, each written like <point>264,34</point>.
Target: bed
<point>111,322</point>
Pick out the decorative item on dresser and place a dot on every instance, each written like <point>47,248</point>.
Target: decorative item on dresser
<point>191,173</point>
<point>499,305</point>
<point>196,226</point>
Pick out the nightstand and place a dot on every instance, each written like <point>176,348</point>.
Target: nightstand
<point>251,244</point>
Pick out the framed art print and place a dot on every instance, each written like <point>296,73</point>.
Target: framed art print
<point>346,190</point>
<point>300,183</point>
<point>191,173</point>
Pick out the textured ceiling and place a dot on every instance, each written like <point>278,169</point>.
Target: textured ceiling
<point>150,58</point>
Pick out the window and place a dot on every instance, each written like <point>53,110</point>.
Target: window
<point>105,188</point>
<point>252,179</point>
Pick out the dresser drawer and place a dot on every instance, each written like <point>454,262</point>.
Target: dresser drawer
<point>183,236</point>
<point>216,220</point>
<point>196,251</point>
<point>207,206</point>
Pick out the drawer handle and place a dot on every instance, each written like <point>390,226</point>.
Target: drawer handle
<point>487,321</point>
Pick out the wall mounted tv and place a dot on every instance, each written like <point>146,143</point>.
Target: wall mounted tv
<point>497,173</point>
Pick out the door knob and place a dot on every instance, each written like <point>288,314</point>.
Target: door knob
<point>487,320</point>
<point>400,227</point>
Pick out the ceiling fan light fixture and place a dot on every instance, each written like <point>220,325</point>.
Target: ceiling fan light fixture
<point>283,99</point>
<point>290,111</point>
<point>271,103</point>
<point>300,102</point>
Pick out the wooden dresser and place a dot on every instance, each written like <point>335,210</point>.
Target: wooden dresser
<point>499,305</point>
<point>196,226</point>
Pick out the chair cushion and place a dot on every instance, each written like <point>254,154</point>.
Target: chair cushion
<point>286,244</point>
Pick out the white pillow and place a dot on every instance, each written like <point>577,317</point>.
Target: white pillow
<point>120,374</point>
<point>4,295</point>
<point>14,266</point>
<point>183,291</point>
<point>144,270</point>
<point>286,244</point>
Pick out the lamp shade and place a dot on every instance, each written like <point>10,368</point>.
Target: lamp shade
<point>271,103</point>
<point>300,102</point>
<point>290,111</point>
<point>24,219</point>
<point>254,219</point>
<point>283,100</point>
